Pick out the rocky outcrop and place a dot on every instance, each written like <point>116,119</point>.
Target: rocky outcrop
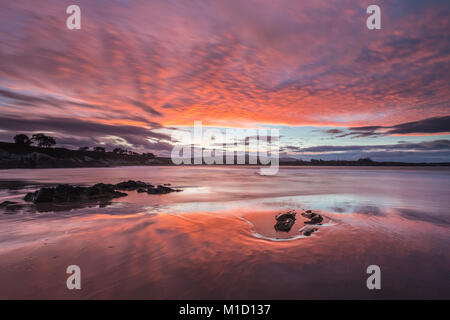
<point>310,226</point>
<point>315,218</point>
<point>65,193</point>
<point>308,230</point>
<point>132,185</point>
<point>161,190</point>
<point>285,221</point>
<point>143,187</point>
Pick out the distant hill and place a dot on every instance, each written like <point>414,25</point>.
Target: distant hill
<point>360,162</point>
<point>19,156</point>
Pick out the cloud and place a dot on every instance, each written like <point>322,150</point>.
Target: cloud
<point>146,107</point>
<point>334,131</point>
<point>137,137</point>
<point>28,100</point>
<point>430,125</point>
<point>296,63</point>
<point>437,145</point>
<point>425,126</point>
<point>426,151</point>
<point>227,63</point>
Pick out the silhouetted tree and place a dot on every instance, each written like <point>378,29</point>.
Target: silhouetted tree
<point>148,155</point>
<point>43,140</point>
<point>366,160</point>
<point>99,149</point>
<point>83,148</point>
<point>23,140</point>
<point>119,151</point>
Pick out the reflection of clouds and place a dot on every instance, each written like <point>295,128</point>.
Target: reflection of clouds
<point>424,216</point>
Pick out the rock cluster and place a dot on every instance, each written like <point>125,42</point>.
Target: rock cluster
<point>286,220</point>
<point>308,230</point>
<point>143,187</point>
<point>65,193</point>
<point>131,185</point>
<point>315,218</point>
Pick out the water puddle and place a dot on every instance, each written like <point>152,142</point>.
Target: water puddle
<point>262,226</point>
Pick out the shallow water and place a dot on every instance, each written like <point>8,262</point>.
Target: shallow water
<point>216,239</point>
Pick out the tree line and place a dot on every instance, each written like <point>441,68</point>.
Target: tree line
<point>41,139</point>
<point>44,141</point>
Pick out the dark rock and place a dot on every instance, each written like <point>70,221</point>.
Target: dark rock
<point>65,193</point>
<point>285,221</point>
<point>284,225</point>
<point>286,215</point>
<point>315,218</point>
<point>7,203</point>
<point>308,230</point>
<point>44,195</point>
<point>308,214</point>
<point>100,192</point>
<point>132,185</point>
<point>160,190</point>
<point>29,197</point>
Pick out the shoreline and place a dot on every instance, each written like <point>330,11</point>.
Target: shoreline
<point>13,156</point>
<point>406,166</point>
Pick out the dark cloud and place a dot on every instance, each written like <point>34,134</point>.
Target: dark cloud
<point>136,136</point>
<point>437,145</point>
<point>425,126</point>
<point>146,107</point>
<point>334,131</point>
<point>28,100</point>
<point>431,125</point>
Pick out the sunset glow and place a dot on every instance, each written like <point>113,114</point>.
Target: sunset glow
<point>138,69</point>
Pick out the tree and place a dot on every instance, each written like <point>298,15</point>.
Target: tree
<point>43,140</point>
<point>83,148</point>
<point>23,140</point>
<point>99,149</point>
<point>119,151</point>
<point>149,155</point>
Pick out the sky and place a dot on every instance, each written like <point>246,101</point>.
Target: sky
<point>139,70</point>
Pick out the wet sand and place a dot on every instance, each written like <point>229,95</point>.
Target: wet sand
<point>169,247</point>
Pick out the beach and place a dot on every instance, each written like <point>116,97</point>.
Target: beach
<point>216,238</point>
